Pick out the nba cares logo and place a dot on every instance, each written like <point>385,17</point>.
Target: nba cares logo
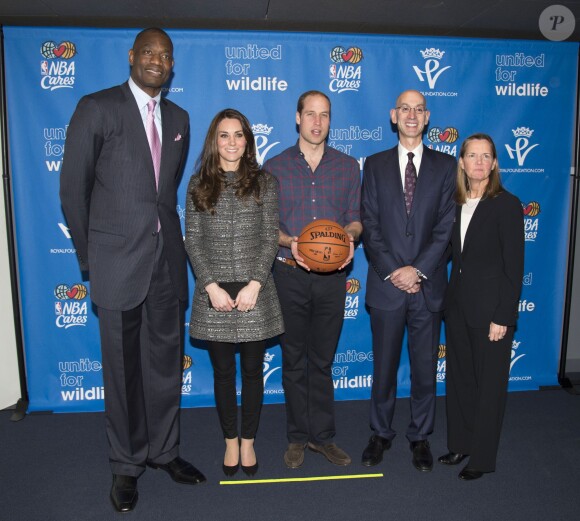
<point>447,135</point>
<point>433,67</point>
<point>351,55</point>
<point>352,286</point>
<point>57,69</point>
<point>69,309</point>
<point>75,292</point>
<point>64,50</point>
<point>531,220</point>
<point>344,71</point>
<point>531,209</point>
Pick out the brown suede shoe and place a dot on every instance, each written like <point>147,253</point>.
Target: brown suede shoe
<point>294,455</point>
<point>332,453</point>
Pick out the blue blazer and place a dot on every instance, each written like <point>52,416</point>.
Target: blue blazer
<point>392,239</point>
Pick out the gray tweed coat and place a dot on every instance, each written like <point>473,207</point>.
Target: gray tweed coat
<point>237,243</point>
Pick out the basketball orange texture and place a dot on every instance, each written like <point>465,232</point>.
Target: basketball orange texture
<point>324,245</point>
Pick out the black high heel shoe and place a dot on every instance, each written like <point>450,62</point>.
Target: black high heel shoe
<point>230,471</point>
<point>251,470</point>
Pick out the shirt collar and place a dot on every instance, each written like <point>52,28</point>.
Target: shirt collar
<point>300,153</point>
<point>418,151</point>
<point>141,96</point>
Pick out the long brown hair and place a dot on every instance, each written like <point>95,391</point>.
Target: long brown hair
<point>493,187</point>
<point>212,179</point>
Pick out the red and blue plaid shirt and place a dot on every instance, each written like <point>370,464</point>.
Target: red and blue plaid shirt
<point>332,191</point>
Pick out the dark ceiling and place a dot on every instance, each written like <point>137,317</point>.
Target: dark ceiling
<point>482,19</point>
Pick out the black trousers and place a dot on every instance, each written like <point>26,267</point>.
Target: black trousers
<point>142,353</point>
<point>223,359</point>
<point>313,310</point>
<point>476,381</point>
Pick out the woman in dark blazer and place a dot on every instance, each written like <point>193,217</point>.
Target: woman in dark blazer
<point>481,307</point>
<point>232,238</point>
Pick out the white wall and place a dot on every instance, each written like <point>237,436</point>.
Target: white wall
<point>9,377</point>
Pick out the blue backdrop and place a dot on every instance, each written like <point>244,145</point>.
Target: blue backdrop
<point>521,92</point>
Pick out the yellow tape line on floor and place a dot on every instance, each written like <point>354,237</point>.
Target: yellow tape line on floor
<point>288,480</point>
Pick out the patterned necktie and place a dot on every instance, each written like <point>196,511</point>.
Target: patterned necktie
<point>410,182</point>
<point>153,138</point>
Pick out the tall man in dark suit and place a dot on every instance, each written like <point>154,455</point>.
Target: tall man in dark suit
<point>124,155</point>
<point>407,213</point>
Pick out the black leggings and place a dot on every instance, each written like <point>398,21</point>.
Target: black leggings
<point>223,359</point>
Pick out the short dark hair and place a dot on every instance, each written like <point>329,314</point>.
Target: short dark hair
<point>152,30</point>
<point>300,104</point>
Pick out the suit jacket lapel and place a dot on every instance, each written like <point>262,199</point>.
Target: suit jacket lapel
<point>141,142</point>
<point>393,182</point>
<point>167,125</point>
<point>482,212</point>
<point>456,233</point>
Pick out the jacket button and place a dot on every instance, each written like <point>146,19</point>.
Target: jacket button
<point>154,234</point>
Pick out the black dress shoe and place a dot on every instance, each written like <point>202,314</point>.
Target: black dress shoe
<point>468,474</point>
<point>180,471</point>
<point>124,493</point>
<point>230,470</point>
<point>373,454</point>
<point>251,470</point>
<point>452,458</point>
<point>422,457</point>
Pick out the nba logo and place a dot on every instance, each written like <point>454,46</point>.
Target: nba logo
<point>44,68</point>
<point>332,70</point>
<point>58,308</point>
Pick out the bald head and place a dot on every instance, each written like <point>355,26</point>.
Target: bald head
<point>411,116</point>
<point>411,94</point>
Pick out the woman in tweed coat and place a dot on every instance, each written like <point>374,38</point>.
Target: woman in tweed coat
<point>232,236</point>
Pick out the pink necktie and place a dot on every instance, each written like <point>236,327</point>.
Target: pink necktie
<point>153,138</point>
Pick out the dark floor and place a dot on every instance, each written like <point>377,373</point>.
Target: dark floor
<point>54,468</point>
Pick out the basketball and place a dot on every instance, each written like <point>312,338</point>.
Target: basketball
<point>324,245</point>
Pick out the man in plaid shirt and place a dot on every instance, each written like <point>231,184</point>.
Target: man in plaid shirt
<point>316,182</point>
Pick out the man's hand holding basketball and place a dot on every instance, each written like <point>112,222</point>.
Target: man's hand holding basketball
<point>353,230</point>
<point>350,252</point>
<point>294,248</point>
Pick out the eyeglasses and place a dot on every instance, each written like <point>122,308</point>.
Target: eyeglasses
<point>419,109</point>
<point>485,158</point>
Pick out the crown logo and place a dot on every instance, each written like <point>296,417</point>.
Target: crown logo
<point>262,128</point>
<point>522,132</point>
<point>432,53</point>
<point>268,357</point>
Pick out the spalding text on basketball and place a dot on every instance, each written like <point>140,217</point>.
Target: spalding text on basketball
<point>333,235</point>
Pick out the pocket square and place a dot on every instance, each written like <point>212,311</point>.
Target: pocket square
<point>178,137</point>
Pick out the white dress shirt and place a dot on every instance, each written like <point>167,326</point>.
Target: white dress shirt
<point>142,99</point>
